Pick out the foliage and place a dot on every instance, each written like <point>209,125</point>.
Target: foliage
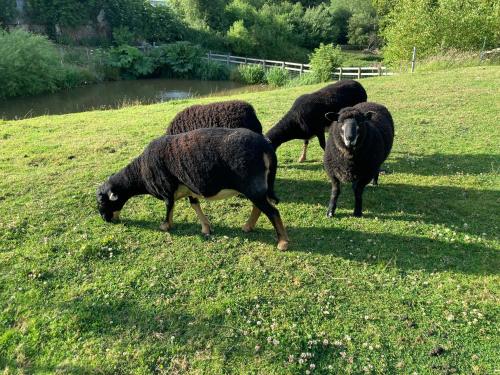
<point>324,60</point>
<point>30,64</point>
<point>240,39</point>
<point>252,74</point>
<point>277,77</point>
<point>8,12</point>
<point>363,30</point>
<point>123,36</point>
<point>212,71</point>
<point>376,295</point>
<point>131,61</point>
<point>183,58</point>
<point>434,26</point>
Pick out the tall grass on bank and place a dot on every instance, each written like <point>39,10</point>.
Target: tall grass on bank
<point>30,64</point>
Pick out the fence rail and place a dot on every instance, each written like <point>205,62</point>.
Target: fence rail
<point>347,72</point>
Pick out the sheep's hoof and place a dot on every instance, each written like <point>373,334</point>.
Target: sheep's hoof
<point>357,214</point>
<point>165,227</point>
<point>330,214</point>
<point>206,231</point>
<point>247,228</point>
<point>283,245</point>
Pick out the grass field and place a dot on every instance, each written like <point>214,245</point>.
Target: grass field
<point>413,287</point>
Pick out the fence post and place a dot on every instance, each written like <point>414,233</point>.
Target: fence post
<point>246,61</point>
<point>379,68</point>
<point>283,65</point>
<point>227,58</point>
<point>301,69</point>
<point>481,55</point>
<point>209,55</point>
<point>340,74</point>
<point>413,59</point>
<point>359,73</point>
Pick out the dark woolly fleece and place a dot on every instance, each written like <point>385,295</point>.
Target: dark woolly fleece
<point>231,114</point>
<point>205,160</point>
<point>358,164</point>
<point>373,146</point>
<point>306,118</point>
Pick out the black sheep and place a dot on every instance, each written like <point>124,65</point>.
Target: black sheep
<point>231,114</point>
<point>210,163</point>
<point>306,118</point>
<point>360,140</point>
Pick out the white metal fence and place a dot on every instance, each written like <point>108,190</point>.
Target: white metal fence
<point>343,72</point>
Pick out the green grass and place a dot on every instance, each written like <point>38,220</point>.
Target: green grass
<point>374,295</point>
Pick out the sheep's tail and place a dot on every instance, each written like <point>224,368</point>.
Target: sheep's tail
<point>271,177</point>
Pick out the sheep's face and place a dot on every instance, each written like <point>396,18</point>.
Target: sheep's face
<point>109,202</point>
<point>350,130</point>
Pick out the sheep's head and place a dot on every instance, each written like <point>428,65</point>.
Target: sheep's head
<point>350,123</point>
<point>109,202</point>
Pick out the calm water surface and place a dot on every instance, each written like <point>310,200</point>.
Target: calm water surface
<point>110,95</point>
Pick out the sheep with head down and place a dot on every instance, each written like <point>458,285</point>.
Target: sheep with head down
<point>360,139</point>
<point>210,163</point>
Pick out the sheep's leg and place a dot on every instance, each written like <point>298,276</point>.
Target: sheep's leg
<point>375,178</point>
<point>206,228</point>
<point>333,198</point>
<point>322,141</point>
<point>304,152</point>
<point>358,187</point>
<point>169,222</point>
<point>252,220</point>
<point>274,216</point>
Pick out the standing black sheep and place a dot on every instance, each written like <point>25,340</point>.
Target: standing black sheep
<point>231,114</point>
<point>359,142</point>
<point>306,118</point>
<point>211,163</point>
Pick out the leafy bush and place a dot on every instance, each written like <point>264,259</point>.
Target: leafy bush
<point>437,26</point>
<point>252,74</point>
<point>212,71</point>
<point>277,77</point>
<point>30,64</point>
<point>8,12</point>
<point>131,62</point>
<point>324,60</point>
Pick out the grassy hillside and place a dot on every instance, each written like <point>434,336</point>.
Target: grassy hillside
<point>413,287</point>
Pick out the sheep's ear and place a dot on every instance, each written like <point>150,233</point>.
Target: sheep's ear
<point>112,196</point>
<point>332,116</point>
<point>369,115</point>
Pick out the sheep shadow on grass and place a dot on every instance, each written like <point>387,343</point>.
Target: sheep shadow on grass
<point>469,210</point>
<point>443,164</point>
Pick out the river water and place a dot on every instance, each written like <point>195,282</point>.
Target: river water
<point>110,95</point>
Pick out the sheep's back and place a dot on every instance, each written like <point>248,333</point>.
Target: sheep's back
<point>231,114</point>
<point>209,160</point>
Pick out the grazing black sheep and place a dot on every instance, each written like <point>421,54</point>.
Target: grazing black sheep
<point>211,163</point>
<point>231,114</point>
<point>360,140</point>
<point>306,118</point>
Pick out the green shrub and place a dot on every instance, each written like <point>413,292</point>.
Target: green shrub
<point>212,71</point>
<point>180,59</point>
<point>30,64</point>
<point>131,62</point>
<point>252,74</point>
<point>324,60</point>
<point>277,76</point>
